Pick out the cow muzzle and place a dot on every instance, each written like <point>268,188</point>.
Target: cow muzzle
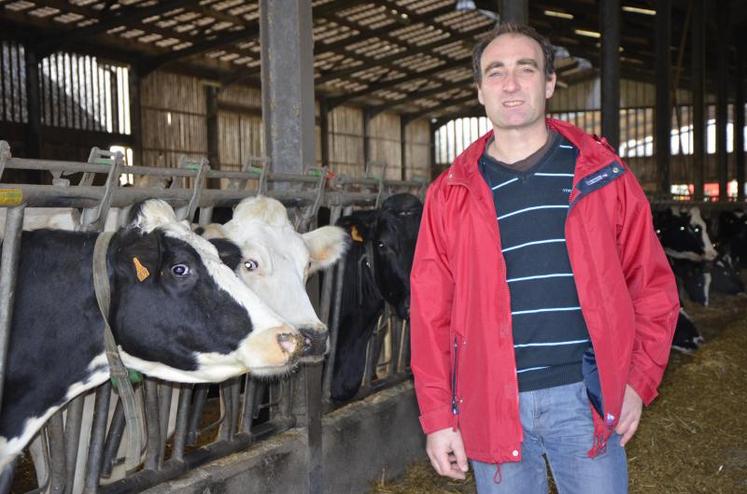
<point>315,343</point>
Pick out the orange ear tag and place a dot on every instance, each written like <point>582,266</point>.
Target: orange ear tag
<point>142,271</point>
<point>356,235</point>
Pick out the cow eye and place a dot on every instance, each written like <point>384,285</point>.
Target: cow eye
<point>180,270</point>
<point>379,244</point>
<point>682,228</point>
<point>251,265</point>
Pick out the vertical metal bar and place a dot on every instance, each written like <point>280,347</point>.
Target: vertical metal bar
<point>8,273</point>
<point>3,101</point>
<point>722,97</point>
<point>113,440</point>
<point>366,140</point>
<point>334,331</point>
<point>250,401</point>
<point>288,83</point>
<point>182,417</point>
<point>98,433</point>
<point>152,459</point>
<point>135,116</point>
<point>19,83</point>
<point>230,407</point>
<point>72,439</point>
<point>403,148</point>
<point>33,105</point>
<point>739,118</point>
<point>57,462</point>
<point>164,409</point>
<point>6,476</point>
<point>324,130</point>
<point>198,403</point>
<point>662,145</point>
<point>516,11</point>
<point>313,386</point>
<point>609,15</point>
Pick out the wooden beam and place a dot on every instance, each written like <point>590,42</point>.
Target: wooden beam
<point>417,95</point>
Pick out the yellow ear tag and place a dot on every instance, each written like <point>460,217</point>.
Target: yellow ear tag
<point>356,235</point>
<point>142,271</point>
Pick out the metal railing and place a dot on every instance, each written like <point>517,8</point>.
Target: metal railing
<point>188,425</point>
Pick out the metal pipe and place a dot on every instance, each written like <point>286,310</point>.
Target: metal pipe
<point>98,433</point>
<point>182,416</point>
<point>56,440</point>
<point>200,397</point>
<point>152,459</point>
<point>113,439</point>
<point>72,439</point>
<point>8,272</point>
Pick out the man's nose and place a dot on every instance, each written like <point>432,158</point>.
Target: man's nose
<point>510,83</point>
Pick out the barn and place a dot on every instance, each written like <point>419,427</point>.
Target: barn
<point>298,138</point>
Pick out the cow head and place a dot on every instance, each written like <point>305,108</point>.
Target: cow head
<point>394,236</point>
<point>275,261</point>
<point>684,238</point>
<point>180,314</point>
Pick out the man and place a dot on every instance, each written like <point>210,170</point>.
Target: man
<point>542,333</point>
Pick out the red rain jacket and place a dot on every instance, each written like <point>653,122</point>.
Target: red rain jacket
<point>462,344</point>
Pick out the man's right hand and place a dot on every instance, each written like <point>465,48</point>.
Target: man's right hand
<point>446,452</point>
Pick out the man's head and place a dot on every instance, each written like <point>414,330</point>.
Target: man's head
<point>515,75</point>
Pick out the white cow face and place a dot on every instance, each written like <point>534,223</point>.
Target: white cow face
<point>276,261</point>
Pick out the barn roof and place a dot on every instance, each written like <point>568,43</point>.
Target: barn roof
<point>407,56</point>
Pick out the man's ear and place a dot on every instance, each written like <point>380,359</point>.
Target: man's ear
<point>136,255</point>
<point>550,85</point>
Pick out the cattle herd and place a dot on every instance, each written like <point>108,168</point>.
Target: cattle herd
<point>204,304</point>
<point>706,255</point>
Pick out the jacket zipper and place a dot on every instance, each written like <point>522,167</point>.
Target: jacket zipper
<point>454,403</point>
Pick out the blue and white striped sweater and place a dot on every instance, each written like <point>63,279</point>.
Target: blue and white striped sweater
<point>549,331</point>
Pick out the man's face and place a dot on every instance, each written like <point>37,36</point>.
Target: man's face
<point>514,87</point>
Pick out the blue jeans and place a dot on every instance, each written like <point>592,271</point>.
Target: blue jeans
<point>557,423</point>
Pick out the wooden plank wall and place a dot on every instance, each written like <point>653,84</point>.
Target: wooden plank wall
<point>182,99</point>
<point>241,136</point>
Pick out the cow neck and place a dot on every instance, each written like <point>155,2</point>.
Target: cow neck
<point>119,373</point>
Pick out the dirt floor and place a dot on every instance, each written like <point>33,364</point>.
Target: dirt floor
<point>691,439</point>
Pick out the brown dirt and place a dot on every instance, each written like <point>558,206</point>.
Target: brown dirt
<point>692,438</point>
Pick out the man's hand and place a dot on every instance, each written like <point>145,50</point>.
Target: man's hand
<point>446,452</point>
<point>630,415</point>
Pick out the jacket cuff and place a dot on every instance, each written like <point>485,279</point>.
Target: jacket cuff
<point>642,385</point>
<point>437,419</point>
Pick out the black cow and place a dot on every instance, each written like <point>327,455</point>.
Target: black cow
<point>178,313</point>
<point>732,234</point>
<point>377,270</point>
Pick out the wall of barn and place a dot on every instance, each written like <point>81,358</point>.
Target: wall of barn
<point>353,438</point>
<point>585,97</point>
<point>174,126</point>
<point>173,112</point>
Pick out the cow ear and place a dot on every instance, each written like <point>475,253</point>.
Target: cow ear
<point>326,246</point>
<point>228,251</point>
<point>136,255</point>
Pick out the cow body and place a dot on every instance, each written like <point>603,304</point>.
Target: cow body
<point>177,313</point>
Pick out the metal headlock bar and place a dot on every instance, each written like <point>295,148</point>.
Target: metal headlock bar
<point>302,193</point>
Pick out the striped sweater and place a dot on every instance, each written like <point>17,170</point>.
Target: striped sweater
<point>549,331</point>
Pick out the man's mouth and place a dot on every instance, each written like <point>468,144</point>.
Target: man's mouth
<point>511,104</point>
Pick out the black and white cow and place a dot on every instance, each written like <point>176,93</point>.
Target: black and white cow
<point>275,261</point>
<point>732,236</point>
<point>178,313</point>
<point>377,270</point>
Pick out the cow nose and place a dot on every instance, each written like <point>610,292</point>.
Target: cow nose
<point>289,343</point>
<point>314,341</point>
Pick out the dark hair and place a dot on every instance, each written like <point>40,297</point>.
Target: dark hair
<point>509,28</point>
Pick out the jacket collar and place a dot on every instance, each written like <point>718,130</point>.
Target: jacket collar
<point>594,153</point>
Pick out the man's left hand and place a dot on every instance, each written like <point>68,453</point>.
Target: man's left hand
<point>630,415</point>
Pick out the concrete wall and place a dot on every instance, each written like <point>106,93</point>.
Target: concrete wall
<point>362,442</point>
